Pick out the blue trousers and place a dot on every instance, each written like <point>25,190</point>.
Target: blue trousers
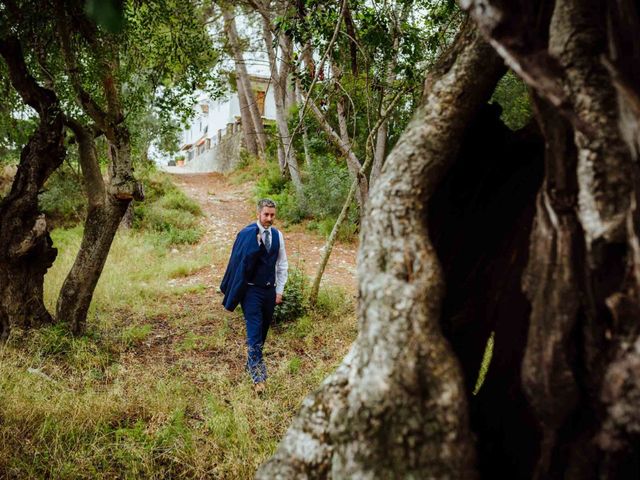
<point>257,306</point>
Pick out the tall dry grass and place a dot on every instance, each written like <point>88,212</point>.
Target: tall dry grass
<point>156,388</point>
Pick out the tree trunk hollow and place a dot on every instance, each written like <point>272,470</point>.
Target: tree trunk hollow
<point>582,278</point>
<point>480,218</point>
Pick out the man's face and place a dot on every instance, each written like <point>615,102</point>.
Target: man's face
<point>266,216</point>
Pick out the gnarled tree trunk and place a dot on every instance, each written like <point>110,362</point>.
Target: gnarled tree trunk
<point>582,278</point>
<point>396,407</point>
<point>553,270</point>
<point>107,204</point>
<point>75,296</point>
<point>26,251</point>
<point>248,131</point>
<point>104,215</point>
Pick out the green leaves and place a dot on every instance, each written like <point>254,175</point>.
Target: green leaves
<point>168,47</point>
<point>512,95</point>
<point>106,13</point>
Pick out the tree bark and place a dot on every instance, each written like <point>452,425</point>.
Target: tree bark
<point>107,203</point>
<point>77,290</point>
<point>104,216</point>
<point>305,136</point>
<point>248,132</point>
<point>352,161</point>
<point>243,77</point>
<point>623,24</point>
<point>380,151</point>
<point>554,286</point>
<point>280,85</point>
<point>101,224</point>
<point>396,407</point>
<point>26,251</point>
<point>583,276</point>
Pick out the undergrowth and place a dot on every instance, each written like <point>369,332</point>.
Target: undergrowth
<point>167,211</point>
<point>325,188</point>
<point>157,387</point>
<point>63,200</point>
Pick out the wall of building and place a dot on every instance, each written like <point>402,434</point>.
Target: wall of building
<point>212,123</point>
<point>222,157</point>
<point>228,152</point>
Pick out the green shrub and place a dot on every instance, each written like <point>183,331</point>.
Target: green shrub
<point>176,200</point>
<point>295,303</point>
<point>63,200</point>
<point>271,182</point>
<point>348,231</point>
<point>279,189</point>
<point>333,302</point>
<point>512,95</point>
<point>326,187</point>
<point>167,210</point>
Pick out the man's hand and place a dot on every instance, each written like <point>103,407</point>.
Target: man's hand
<point>278,298</point>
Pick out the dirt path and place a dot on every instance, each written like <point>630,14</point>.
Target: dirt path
<point>228,208</point>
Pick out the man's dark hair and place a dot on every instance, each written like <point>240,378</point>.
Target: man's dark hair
<point>266,202</point>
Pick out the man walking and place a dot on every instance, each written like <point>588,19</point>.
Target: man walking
<point>255,279</point>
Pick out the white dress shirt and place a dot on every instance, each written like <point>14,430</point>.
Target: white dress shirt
<point>282,265</point>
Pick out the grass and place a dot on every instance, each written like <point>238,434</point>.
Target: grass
<point>167,211</point>
<point>137,274</point>
<point>248,172</point>
<point>484,365</point>
<point>157,387</point>
<point>348,231</point>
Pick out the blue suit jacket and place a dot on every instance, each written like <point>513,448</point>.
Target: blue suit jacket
<point>241,265</point>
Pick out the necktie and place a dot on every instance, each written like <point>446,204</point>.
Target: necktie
<point>267,239</point>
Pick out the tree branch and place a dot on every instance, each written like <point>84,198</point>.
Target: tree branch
<point>317,72</point>
<point>83,97</point>
<point>93,181</point>
<point>337,140</point>
<point>33,94</point>
<point>328,246</point>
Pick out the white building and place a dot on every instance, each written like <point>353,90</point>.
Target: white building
<point>216,121</point>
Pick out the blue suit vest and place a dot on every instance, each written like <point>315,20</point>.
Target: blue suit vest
<point>264,274</point>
